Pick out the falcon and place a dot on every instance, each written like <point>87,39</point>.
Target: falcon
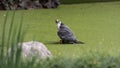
<point>65,34</point>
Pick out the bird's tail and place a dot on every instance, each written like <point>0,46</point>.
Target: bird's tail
<point>80,42</point>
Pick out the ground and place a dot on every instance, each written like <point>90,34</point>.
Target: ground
<point>96,24</point>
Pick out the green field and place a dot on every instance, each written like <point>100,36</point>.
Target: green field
<point>96,24</point>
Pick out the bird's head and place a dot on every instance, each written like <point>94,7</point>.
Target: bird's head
<point>59,23</point>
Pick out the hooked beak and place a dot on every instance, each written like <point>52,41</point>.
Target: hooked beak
<point>57,21</point>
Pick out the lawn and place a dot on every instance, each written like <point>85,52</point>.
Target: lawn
<point>96,24</point>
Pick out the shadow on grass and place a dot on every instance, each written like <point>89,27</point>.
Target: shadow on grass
<point>58,42</point>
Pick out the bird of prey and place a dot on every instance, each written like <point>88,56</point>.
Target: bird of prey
<point>65,34</point>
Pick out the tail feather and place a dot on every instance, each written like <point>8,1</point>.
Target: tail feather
<point>80,42</point>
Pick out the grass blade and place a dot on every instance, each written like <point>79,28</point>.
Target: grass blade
<point>3,39</point>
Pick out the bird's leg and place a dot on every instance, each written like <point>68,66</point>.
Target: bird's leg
<point>61,41</point>
<point>65,41</point>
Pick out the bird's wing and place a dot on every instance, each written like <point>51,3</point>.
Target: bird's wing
<point>66,34</point>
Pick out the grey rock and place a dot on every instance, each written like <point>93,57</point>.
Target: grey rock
<point>33,49</point>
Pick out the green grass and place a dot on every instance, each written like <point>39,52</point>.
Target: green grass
<point>83,1</point>
<point>96,24</point>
